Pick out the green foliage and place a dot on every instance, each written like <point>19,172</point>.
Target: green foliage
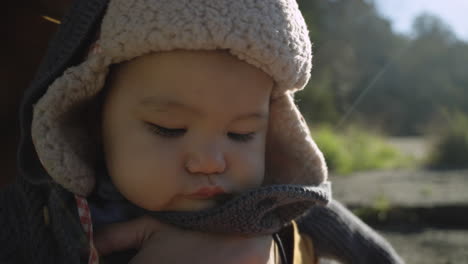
<point>450,150</point>
<point>333,147</point>
<point>356,150</point>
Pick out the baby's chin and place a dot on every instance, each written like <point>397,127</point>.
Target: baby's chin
<point>191,205</point>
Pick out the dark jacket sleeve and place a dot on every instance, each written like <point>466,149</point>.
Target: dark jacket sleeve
<point>25,236</point>
<point>12,221</point>
<point>339,234</point>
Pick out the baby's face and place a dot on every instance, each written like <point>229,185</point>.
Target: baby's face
<point>180,127</point>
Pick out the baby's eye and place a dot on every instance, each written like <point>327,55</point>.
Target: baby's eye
<point>241,137</point>
<point>166,132</point>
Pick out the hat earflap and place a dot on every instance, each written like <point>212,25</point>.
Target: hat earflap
<point>291,154</point>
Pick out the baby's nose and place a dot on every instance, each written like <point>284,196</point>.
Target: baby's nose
<point>206,161</point>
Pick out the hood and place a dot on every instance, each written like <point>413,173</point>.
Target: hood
<point>271,35</point>
<point>66,49</point>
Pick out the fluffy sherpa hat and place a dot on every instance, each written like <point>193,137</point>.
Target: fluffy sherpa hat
<point>269,34</point>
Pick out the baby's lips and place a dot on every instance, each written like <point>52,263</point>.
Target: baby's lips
<point>207,192</point>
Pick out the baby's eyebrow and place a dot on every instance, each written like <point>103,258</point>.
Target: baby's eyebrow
<point>163,105</point>
<point>259,116</point>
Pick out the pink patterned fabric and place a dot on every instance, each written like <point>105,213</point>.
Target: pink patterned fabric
<point>85,219</point>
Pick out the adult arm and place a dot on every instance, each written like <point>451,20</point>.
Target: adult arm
<point>339,234</point>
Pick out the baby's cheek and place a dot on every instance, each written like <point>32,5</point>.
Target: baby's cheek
<point>251,168</point>
<point>147,177</point>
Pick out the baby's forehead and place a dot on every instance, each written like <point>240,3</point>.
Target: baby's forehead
<point>180,60</point>
<point>167,79</point>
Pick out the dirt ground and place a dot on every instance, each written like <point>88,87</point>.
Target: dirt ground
<point>414,189</point>
<point>431,246</point>
<point>403,188</point>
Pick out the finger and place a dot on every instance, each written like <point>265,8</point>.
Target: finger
<point>125,235</point>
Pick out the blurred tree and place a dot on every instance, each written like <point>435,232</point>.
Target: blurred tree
<point>364,71</point>
<point>424,81</point>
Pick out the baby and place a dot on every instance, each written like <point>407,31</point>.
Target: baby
<point>180,128</point>
<point>181,110</point>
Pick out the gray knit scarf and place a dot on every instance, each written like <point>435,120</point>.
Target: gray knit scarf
<point>263,210</point>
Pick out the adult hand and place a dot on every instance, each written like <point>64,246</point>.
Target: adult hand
<point>160,243</point>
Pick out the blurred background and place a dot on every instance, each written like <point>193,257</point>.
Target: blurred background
<point>387,104</point>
